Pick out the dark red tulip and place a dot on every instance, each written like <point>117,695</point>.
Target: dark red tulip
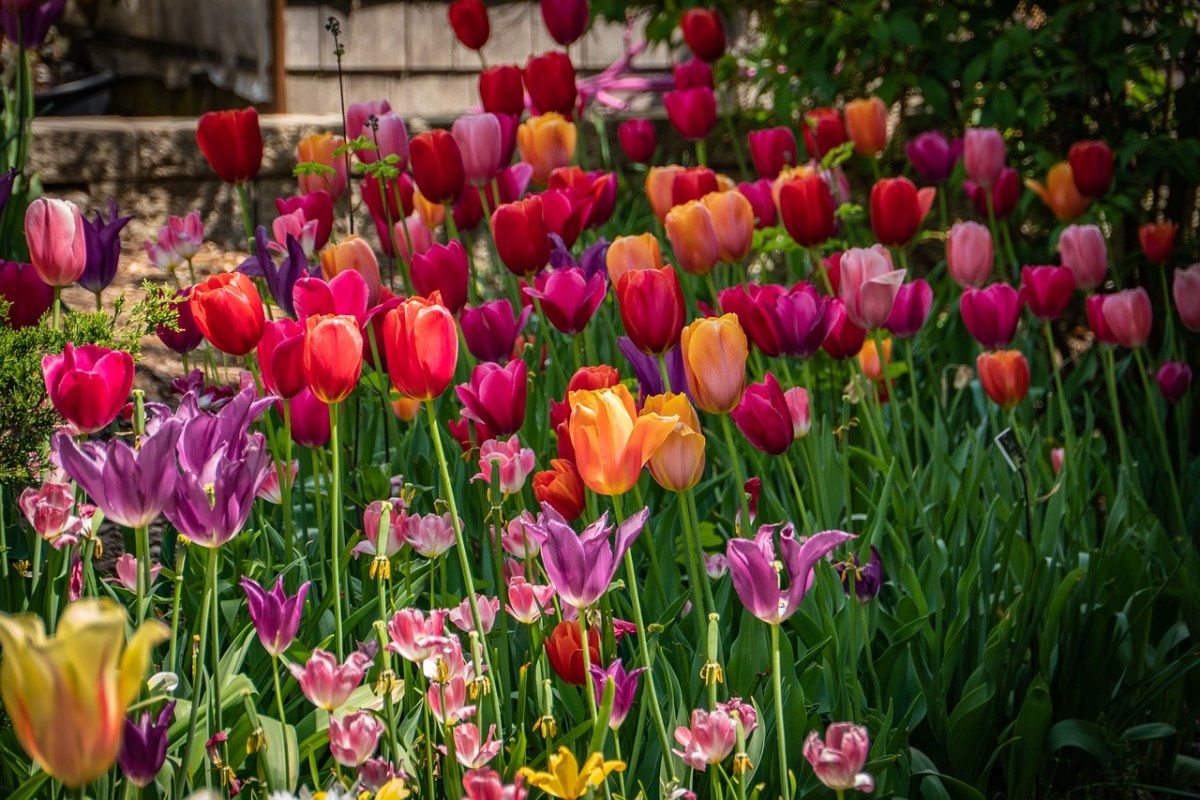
<point>771,150</point>
<point>231,142</point>
<point>637,139</point>
<point>897,208</point>
<point>823,130</point>
<point>522,241</point>
<point>443,268</point>
<point>1005,193</point>
<point>184,340</point>
<point>501,89</point>
<point>652,308</point>
<point>1091,167</point>
<point>845,338</point>
<point>692,74</point>
<point>806,208</point>
<point>565,20</point>
<point>692,112</point>
<point>704,33</point>
<point>437,166</point>
<point>469,20</point>
<point>550,79</point>
<point>1047,290</point>
<point>692,184</point>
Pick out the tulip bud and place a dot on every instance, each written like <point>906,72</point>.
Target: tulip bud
<point>798,408</point>
<point>469,21</point>
<point>932,157</point>
<point>1174,379</point>
<point>969,254</point>
<point>866,123</point>
<point>565,20</point>
<point>502,90</point>
<point>1129,316</point>
<point>521,238</point>
<point>627,253</point>
<point>677,465</point>
<point>229,312</point>
<point>637,139</point>
<point>807,210</point>
<point>437,166</point>
<point>318,148</point>
<point>22,282</point>
<point>693,237</point>
<point>845,338</point>
<point>897,209</point>
<point>714,359</point>
<point>910,310</point>
<point>991,314</point>
<point>479,143</point>
<point>764,418</point>
<point>1046,290</point>
<point>1091,167</point>
<point>1059,193</point>
<point>1004,375</point>
<point>443,269</point>
<point>232,143</point>
<point>54,231</point>
<point>652,308</point>
<point>691,74</point>
<point>547,142</point>
<point>704,33</point>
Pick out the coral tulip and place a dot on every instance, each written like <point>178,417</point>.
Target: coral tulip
<point>969,254</point>
<point>421,341</point>
<point>521,238</point>
<point>1046,290</point>
<point>733,220</point>
<point>232,143</point>
<point>56,234</point>
<point>806,209</point>
<point>611,442</point>
<point>469,21</point>
<point>1186,290</point>
<point>1129,316</point>
<point>704,33</point>
<point>353,253</point>
<point>693,237</point>
<point>560,487</point>
<point>628,253</point>
<point>566,654</point>
<point>88,385</point>
<point>866,124</point>
<point>897,209</point>
<point>991,314</point>
<point>318,148</point>
<point>332,356</point>
<point>229,312</point>
<point>437,166</point>
<point>547,142</point>
<point>637,139</point>
<point>1004,375</point>
<point>763,417</point>
<point>771,150</point>
<point>678,465</point>
<point>983,155</point>
<point>869,285</point>
<point>502,90</point>
<point>868,359</point>
<point>652,308</point>
<point>1091,167</point>
<point>1059,192</point>
<point>933,157</point>
<point>823,131</point>
<point>550,80</point>
<point>714,359</point>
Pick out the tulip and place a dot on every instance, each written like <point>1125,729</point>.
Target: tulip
<point>1091,167</point>
<point>983,155</point>
<point>991,314</point>
<point>383,539</point>
<point>564,215</point>
<point>565,20</point>
<point>561,488</point>
<point>48,511</point>
<point>1059,193</point>
<point>897,209</point>
<point>1004,375</point>
<point>332,356</point>
<point>693,237</point>
<point>479,142</point>
<point>600,188</point>
<point>527,602</point>
<point>771,150</point>
<point>210,514</point>
<point>495,396</point>
<point>566,654</point>
<point>354,737</point>
<point>708,740</point>
<point>838,760</point>
<point>611,442</point>
<point>624,689</point>
<point>1094,306</point>
<point>429,535</point>
<point>1157,240</point>
<point>448,701</point>
<point>547,142</point>
<point>66,694</point>
<point>866,123</point>
<point>692,184</point>
<point>911,309</point>
<point>232,143</point>
<point>637,139</point>
<point>390,137</point>
<point>443,269</point>
<point>763,417</point>
<point>1004,194</point>
<point>867,578</point>
<point>1174,379</point>
<point>703,32</point>
<point>357,114</point>
<point>678,465</point>
<point>310,420</point>
<point>327,684</point>
<point>550,80</point>
<point>733,220</point>
<point>419,229</point>
<point>660,187</point>
<point>512,462</point>
<point>501,90</point>
<point>88,385</point>
<point>969,254</point>
<point>568,298</point>
<point>1128,316</point>
<point>102,242</point>
<point>346,294</point>
<point>22,281</point>
<point>1186,290</point>
<point>318,148</point>
<point>630,253</point>
<point>1046,290</point>
<point>491,329</point>
<point>314,206</point>
<point>469,21</point>
<point>437,166</point>
<point>29,21</point>
<point>692,112</point>
<point>932,157</point>
<point>823,131</point>
<point>869,361</point>
<point>806,208</point>
<point>56,234</point>
<point>581,566</point>
<point>869,286</point>
<point>798,408</point>
<point>762,201</point>
<point>714,359</point>
<point>691,74</point>
<point>844,339</point>
<point>414,636</point>
<point>421,342</point>
<point>756,580</point>
<point>229,312</point>
<point>144,746</point>
<point>652,308</point>
<point>276,615</point>
<point>799,317</point>
<point>1083,251</point>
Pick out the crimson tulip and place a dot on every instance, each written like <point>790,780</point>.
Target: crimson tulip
<point>444,269</point>
<point>763,417</point>
<point>569,298</point>
<point>229,312</point>
<point>550,79</point>
<point>597,186</point>
<point>652,308</point>
<point>469,21</point>
<point>1046,290</point>
<point>637,139</point>
<point>522,241</point>
<point>88,385</point>
<point>991,314</point>
<point>1094,306</point>
<point>703,32</point>
<point>421,342</point>
<point>501,89</point>
<point>771,150</point>
<point>1157,240</point>
<point>565,20</point>
<point>437,166</point>
<point>1091,167</point>
<point>281,358</point>
<point>232,143</point>
<point>692,73</point>
<point>897,208</point>
<point>806,208</point>
<point>692,112</point>
<point>844,339</point>
<point>495,396</point>
<point>22,282</point>
<point>565,213</point>
<point>750,305</point>
<point>823,131</point>
<point>332,356</point>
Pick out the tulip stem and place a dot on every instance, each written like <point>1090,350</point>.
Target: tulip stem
<point>644,645</point>
<point>335,520</point>
<point>463,559</point>
<point>780,728</point>
<point>180,560</point>
<point>285,488</point>
<point>1063,410</point>
<point>692,557</point>
<point>727,429</point>
<point>791,473</point>
<point>141,536</point>
<point>701,153</point>
<point>210,587</point>
<point>1115,404</point>
<point>244,202</point>
<point>1172,484</point>
<point>58,308</point>
<point>287,756</point>
<point>694,521</point>
<point>587,664</point>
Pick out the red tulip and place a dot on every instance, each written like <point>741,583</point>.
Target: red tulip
<point>991,314</point>
<point>823,131</point>
<point>229,312</point>
<point>704,33</point>
<point>692,112</point>
<point>691,74</point>
<point>692,184</point>
<point>1046,290</point>
<point>565,651</point>
<point>561,488</point>
<point>897,208</point>
<point>1157,240</point>
<point>550,79</point>
<point>469,20</point>
<point>495,396</point>
<point>1005,376</point>
<point>763,417</point>
<point>1129,316</point>
<point>232,143</point>
<point>1091,167</point>
<point>806,208</point>
<point>771,150</point>
<point>599,188</point>
<point>521,238</point>
<point>20,282</point>
<point>652,308</point>
<point>437,166</point>
<point>444,269</point>
<point>54,232</point>
<point>569,298</point>
<point>637,139</point>
<point>845,338</point>
<point>88,385</point>
<point>564,214</point>
<point>1005,192</point>
<point>421,342</point>
<point>565,20</point>
<point>281,358</point>
<point>332,356</point>
<point>502,90</point>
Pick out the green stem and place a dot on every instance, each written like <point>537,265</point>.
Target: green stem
<point>1114,404</point>
<point>210,586</point>
<point>1172,483</point>
<point>1063,410</point>
<point>214,621</point>
<point>738,473</point>
<point>791,473</point>
<point>587,664</point>
<point>141,537</point>
<point>694,577</point>
<point>780,727</point>
<point>285,488</point>
<point>701,153</point>
<point>287,756</point>
<point>244,202</point>
<point>694,520</point>
<point>172,654</point>
<point>335,521</point>
<point>58,308</point>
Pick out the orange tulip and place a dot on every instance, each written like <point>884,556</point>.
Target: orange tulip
<point>432,214</point>
<point>868,358</point>
<point>547,142</point>
<point>714,360</point>
<point>693,237</point>
<point>659,188</point>
<point>1059,192</point>
<point>679,464</point>
<point>866,122</point>
<point>318,148</point>
<point>405,408</point>
<point>561,488</point>
<point>612,443</point>
<point>333,347</point>
<point>353,253</point>
<point>1004,375</point>
<point>628,253</point>
<point>733,220</point>
<point>421,343</point>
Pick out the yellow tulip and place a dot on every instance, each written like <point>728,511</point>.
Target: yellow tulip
<point>1059,193</point>
<point>565,779</point>
<point>679,464</point>
<point>714,358</point>
<point>612,443</point>
<point>67,694</point>
<point>547,142</point>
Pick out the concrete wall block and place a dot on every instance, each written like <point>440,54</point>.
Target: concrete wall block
<point>511,40</point>
<point>303,28</point>
<point>377,39</point>
<point>429,39</point>
<point>430,95</point>
<point>80,150</point>
<point>601,45</point>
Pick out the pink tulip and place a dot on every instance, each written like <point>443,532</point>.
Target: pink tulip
<point>838,761</point>
<point>414,636</point>
<point>969,254</point>
<point>488,607</point>
<point>516,538</point>
<point>1056,459</point>
<point>1046,290</point>
<point>468,749</point>
<point>716,565</point>
<point>991,314</point>
<point>869,285</point>
<point>983,155</point>
<point>798,407</point>
<point>373,526</point>
<point>48,509</point>
<point>1129,316</point>
<point>347,294</point>
<point>1083,251</point>
<point>481,144</point>
<point>125,572</point>
<point>448,701</point>
<point>324,682</point>
<point>527,602</point>
<point>709,739</point>
<point>430,535</point>
<point>88,385</point>
<point>354,737</point>
<point>390,139</point>
<point>1186,289</point>
<point>419,235</point>
<point>514,463</point>
<point>54,231</point>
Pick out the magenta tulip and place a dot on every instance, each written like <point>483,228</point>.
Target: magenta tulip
<point>1046,290</point>
<point>569,298</point>
<point>991,314</point>
<point>764,418</point>
<point>443,268</point>
<point>911,309</point>
<point>495,396</point>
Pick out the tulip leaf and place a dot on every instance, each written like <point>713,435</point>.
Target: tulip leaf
<point>31,787</point>
<point>272,758</point>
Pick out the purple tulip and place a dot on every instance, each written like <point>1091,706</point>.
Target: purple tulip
<point>1174,379</point>
<point>933,157</point>
<point>491,329</point>
<point>751,565</point>
<point>102,239</point>
<point>595,259</point>
<point>208,440</point>
<point>800,320</point>
<point>131,486</point>
<point>649,376</point>
<point>210,514</point>
<point>35,21</point>
<point>279,278</point>
<point>275,615</point>
<point>144,746</point>
<point>868,578</point>
<point>581,566</point>
<point>910,310</point>
<point>624,688</point>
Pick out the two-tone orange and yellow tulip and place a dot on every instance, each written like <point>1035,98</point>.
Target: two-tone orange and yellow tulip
<point>733,220</point>
<point>693,237</point>
<point>679,464</point>
<point>353,253</point>
<point>612,443</point>
<point>547,142</point>
<point>714,359</point>
<point>1059,192</point>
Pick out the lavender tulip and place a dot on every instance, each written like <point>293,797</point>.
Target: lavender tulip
<point>581,566</point>
<point>131,486</point>
<point>210,514</point>
<point>275,615</point>
<point>624,688</point>
<point>751,565</point>
<point>102,240</point>
<point>209,440</point>
<point>144,746</point>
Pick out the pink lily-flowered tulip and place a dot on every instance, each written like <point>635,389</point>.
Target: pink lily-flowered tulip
<point>527,602</point>
<point>430,534</point>
<point>448,701</point>
<point>354,737</point>
<point>514,463</point>
<point>414,636</point>
<point>326,683</point>
<point>125,572</point>
<point>969,254</point>
<point>1129,316</point>
<point>709,739</point>
<point>516,539</point>
<point>869,285</point>
<point>488,607</point>
<point>470,751</point>
<point>581,566</point>
<point>393,538</point>
<point>48,509</point>
<point>486,784</point>
<point>54,231</point>
<point>751,564</point>
<point>1083,251</point>
<point>838,760</point>
<point>275,614</point>
<point>270,490</point>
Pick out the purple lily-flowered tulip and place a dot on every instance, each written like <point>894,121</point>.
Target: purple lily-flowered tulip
<point>581,566</point>
<point>144,746</point>
<point>868,578</point>
<point>275,615</point>
<point>647,372</point>
<point>624,688</point>
<point>279,278</point>
<point>131,486</point>
<point>751,565</point>
<point>594,259</point>
<point>210,440</point>
<point>35,22</point>
<point>102,240</point>
<point>210,514</point>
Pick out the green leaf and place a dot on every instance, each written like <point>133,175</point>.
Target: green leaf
<point>1025,756</point>
<point>280,740</point>
<point>1147,732</point>
<point>1081,734</point>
